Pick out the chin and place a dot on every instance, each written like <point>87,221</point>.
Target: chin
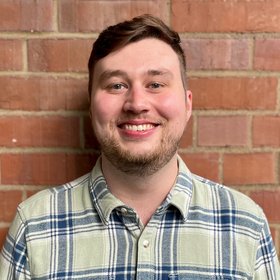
<point>139,158</point>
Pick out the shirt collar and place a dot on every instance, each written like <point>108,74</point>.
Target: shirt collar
<point>105,202</point>
<point>181,194</point>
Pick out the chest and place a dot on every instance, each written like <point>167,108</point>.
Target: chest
<point>167,248</point>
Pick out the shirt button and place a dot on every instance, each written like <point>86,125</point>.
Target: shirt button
<point>146,243</point>
<point>124,211</point>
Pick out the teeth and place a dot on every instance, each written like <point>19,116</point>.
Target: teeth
<point>141,127</point>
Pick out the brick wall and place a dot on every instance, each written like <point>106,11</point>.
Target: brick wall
<point>233,55</point>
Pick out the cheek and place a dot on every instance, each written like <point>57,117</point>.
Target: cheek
<point>102,110</point>
<point>173,107</point>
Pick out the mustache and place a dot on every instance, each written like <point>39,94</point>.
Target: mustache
<point>142,118</point>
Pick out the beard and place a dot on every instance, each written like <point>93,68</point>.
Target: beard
<point>139,164</point>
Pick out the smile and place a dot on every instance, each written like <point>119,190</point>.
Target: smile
<point>140,127</point>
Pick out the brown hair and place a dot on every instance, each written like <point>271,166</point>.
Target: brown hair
<point>117,36</point>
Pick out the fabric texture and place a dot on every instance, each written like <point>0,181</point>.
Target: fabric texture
<point>202,230</point>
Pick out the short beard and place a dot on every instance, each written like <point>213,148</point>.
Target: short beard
<point>142,164</point>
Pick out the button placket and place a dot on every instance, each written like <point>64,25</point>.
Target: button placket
<point>145,254</point>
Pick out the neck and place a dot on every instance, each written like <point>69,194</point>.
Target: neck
<point>142,193</point>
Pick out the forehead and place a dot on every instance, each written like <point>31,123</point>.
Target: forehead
<point>140,56</point>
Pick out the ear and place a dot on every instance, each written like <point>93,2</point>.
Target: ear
<point>188,98</point>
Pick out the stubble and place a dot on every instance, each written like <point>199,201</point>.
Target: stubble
<point>140,164</point>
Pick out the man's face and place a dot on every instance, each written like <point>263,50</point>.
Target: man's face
<point>139,107</point>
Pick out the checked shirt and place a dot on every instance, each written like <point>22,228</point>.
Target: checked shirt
<point>202,231</point>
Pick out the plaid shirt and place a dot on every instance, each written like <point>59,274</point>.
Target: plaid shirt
<point>81,231</point>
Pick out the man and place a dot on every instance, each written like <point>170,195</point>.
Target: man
<point>140,213</point>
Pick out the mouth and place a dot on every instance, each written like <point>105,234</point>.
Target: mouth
<point>138,127</point>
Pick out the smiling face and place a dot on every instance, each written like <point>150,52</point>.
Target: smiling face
<point>139,106</point>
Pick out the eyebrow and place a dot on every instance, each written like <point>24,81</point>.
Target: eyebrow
<point>159,72</point>
<point>119,73</point>
<point>112,73</point>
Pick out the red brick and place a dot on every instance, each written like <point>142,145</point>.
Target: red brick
<point>234,93</point>
<point>266,56</point>
<point>11,55</point>
<point>44,169</point>
<point>269,200</point>
<point>249,169</point>
<point>3,234</point>
<point>40,131</point>
<point>187,138</point>
<point>276,238</point>
<point>80,164</point>
<point>203,164</point>
<point>59,55</point>
<point>266,131</point>
<point>30,193</point>
<point>37,169</point>
<point>273,233</point>
<point>9,201</point>
<point>27,15</point>
<point>87,15</point>
<point>223,131</point>
<point>215,54</point>
<point>225,16</point>
<point>89,136</point>
<point>43,93</point>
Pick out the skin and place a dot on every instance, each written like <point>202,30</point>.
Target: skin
<point>139,110</point>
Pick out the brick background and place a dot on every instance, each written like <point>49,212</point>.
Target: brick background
<point>27,15</point>
<point>11,55</point>
<point>233,69</point>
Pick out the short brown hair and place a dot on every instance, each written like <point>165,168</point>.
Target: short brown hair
<point>117,36</point>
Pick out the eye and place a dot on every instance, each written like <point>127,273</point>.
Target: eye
<point>116,87</point>
<point>155,85</point>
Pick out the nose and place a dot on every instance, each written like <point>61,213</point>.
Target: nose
<point>136,101</point>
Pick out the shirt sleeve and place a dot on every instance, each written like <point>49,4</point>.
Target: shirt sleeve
<point>267,264</point>
<point>14,263</point>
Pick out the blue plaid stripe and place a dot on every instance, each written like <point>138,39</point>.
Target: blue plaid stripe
<point>80,231</point>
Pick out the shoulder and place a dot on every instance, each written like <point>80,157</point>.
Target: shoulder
<point>227,209</point>
<point>49,200</point>
<point>212,197</point>
<point>218,197</point>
